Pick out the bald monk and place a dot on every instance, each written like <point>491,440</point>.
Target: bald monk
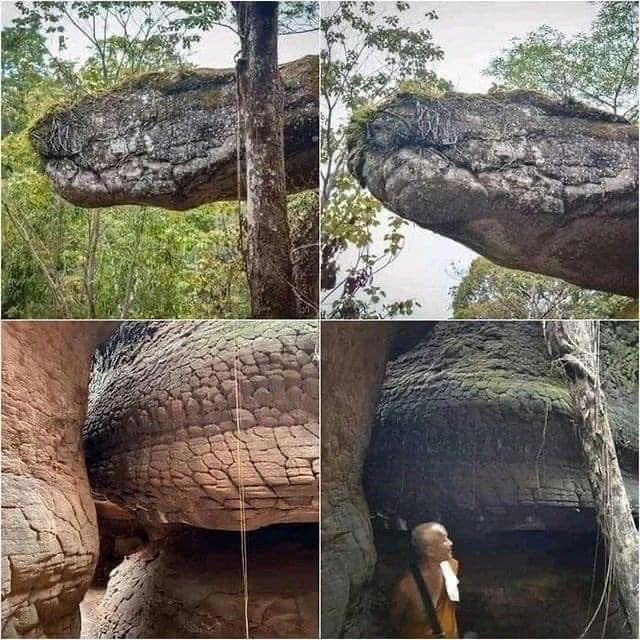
<point>439,570</point>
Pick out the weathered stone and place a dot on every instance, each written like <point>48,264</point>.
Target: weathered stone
<point>530,183</point>
<point>193,467</point>
<point>353,360</point>
<point>191,587</point>
<point>49,530</point>
<point>169,140</point>
<point>475,428</point>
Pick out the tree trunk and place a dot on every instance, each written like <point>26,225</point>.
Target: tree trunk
<point>261,98</point>
<point>575,345</point>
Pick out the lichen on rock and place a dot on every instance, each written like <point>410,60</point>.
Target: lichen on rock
<point>169,139</point>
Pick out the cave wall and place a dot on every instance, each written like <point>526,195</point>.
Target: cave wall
<point>191,586</point>
<point>354,355</point>
<point>474,428</point>
<point>49,529</point>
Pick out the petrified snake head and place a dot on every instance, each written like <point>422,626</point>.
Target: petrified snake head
<point>184,417</point>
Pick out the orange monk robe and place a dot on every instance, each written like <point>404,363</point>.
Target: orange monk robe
<point>411,618</point>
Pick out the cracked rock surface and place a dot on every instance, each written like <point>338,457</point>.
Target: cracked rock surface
<point>169,140</point>
<point>353,360</point>
<point>167,437</point>
<point>527,182</point>
<point>475,428</point>
<point>49,530</point>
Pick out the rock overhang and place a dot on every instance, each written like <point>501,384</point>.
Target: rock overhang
<point>165,430</point>
<point>475,427</point>
<point>529,182</point>
<point>169,139</point>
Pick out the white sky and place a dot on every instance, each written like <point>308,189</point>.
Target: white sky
<point>216,49</point>
<point>471,34</point>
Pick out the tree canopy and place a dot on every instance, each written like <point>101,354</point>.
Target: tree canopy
<point>599,68</point>
<point>490,291</point>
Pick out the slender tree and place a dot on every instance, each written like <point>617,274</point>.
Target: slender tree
<point>575,346</point>
<point>261,98</point>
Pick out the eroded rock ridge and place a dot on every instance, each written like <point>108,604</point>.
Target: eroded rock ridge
<point>169,140</point>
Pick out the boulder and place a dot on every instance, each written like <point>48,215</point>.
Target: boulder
<point>169,139</point>
<point>530,183</point>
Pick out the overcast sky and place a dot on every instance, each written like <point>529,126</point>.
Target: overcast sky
<point>471,34</point>
<point>216,49</point>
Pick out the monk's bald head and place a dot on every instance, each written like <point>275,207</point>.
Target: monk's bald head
<point>427,537</point>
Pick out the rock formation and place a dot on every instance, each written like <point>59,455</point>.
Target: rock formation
<point>161,434</point>
<point>191,586</point>
<point>475,428</point>
<point>161,442</point>
<point>527,182</point>
<point>353,360</point>
<point>49,532</point>
<point>459,435</point>
<point>169,140</point>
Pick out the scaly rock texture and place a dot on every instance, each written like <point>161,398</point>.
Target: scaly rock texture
<point>527,182</point>
<point>475,428</point>
<point>353,361</point>
<point>169,140</point>
<point>49,530</point>
<point>192,587</point>
<point>167,436</point>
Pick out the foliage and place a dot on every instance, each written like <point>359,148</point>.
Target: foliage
<point>491,291</point>
<point>367,52</point>
<point>349,218</point>
<point>599,67</point>
<point>149,262</point>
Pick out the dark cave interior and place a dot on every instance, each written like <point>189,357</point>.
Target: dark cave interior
<point>514,584</point>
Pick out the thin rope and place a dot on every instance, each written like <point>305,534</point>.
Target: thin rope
<point>239,146</point>
<point>243,516</point>
<point>542,444</point>
<point>593,571</point>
